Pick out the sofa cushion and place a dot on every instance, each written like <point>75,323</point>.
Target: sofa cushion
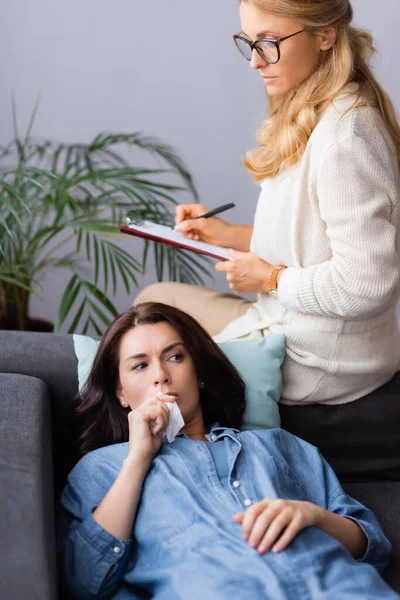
<point>383,498</point>
<point>360,440</point>
<point>258,362</point>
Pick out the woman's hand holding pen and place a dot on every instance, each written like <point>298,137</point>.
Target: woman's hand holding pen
<point>211,230</point>
<point>246,273</point>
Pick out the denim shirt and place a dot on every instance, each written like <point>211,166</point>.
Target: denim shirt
<point>185,544</point>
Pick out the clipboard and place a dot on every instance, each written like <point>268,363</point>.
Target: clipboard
<point>166,235</point>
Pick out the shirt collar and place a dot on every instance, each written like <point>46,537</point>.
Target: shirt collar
<point>217,430</point>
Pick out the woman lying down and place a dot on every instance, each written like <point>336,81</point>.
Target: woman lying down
<point>216,513</point>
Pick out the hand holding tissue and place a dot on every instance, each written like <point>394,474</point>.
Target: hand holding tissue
<point>176,421</point>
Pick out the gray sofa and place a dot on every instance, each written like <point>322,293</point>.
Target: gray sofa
<point>38,378</point>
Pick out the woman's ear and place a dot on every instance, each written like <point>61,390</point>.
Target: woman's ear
<point>327,38</point>
<point>121,396</point>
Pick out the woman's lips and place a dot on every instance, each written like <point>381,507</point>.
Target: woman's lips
<point>268,79</point>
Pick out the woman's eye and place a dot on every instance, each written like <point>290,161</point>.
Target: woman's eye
<point>139,367</point>
<point>176,357</point>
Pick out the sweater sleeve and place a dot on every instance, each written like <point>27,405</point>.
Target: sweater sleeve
<point>358,201</point>
<point>288,289</point>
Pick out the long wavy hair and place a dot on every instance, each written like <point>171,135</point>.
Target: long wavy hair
<point>98,417</point>
<point>283,137</point>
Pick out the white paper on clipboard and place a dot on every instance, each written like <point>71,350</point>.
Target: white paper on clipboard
<point>167,235</point>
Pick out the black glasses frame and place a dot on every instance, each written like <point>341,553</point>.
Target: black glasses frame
<point>253,45</point>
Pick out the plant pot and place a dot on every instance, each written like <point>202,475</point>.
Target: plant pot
<point>40,325</point>
<point>31,325</point>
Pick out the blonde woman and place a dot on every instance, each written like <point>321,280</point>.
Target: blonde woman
<point>323,253</point>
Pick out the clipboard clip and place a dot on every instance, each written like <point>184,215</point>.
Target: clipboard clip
<point>135,221</point>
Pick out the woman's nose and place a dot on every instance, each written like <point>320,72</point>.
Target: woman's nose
<point>256,60</point>
<point>161,377</point>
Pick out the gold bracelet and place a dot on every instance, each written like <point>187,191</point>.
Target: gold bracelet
<point>273,279</point>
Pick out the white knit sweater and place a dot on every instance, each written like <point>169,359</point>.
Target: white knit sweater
<point>334,219</point>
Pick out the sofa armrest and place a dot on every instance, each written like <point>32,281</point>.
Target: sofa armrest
<point>51,358</point>
<point>28,557</point>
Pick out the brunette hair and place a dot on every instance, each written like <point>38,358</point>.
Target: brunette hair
<point>99,418</point>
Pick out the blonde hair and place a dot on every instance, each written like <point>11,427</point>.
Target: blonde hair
<point>283,137</point>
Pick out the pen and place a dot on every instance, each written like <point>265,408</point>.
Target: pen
<point>215,211</point>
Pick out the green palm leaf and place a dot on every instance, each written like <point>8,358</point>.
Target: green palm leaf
<point>56,194</point>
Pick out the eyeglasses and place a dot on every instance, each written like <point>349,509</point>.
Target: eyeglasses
<point>269,50</point>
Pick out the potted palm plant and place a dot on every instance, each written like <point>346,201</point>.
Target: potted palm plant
<point>61,206</point>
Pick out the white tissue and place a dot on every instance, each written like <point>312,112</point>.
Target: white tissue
<point>176,421</point>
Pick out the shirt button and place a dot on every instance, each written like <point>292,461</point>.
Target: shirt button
<point>117,549</point>
<point>213,438</point>
<point>247,502</point>
<point>238,438</point>
<point>236,484</point>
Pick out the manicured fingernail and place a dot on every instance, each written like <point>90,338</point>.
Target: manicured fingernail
<point>261,549</point>
<point>245,536</point>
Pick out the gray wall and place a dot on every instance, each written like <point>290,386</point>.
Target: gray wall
<point>158,67</point>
